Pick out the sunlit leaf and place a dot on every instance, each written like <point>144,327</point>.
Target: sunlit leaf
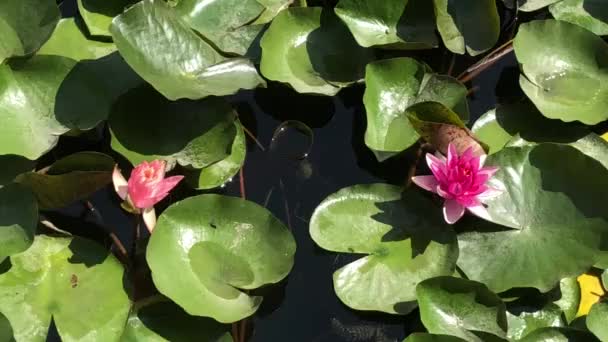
<point>590,14</point>
<point>68,40</point>
<point>98,14</point>
<point>596,321</point>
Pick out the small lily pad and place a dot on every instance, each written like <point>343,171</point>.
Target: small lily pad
<point>19,213</point>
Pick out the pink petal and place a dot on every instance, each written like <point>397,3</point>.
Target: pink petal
<point>482,160</point>
<point>452,154</point>
<point>140,194</point>
<point>162,189</point>
<point>433,161</point>
<point>452,211</point>
<point>159,168</point>
<point>480,211</point>
<point>468,155</point>
<point>443,193</point>
<point>489,171</point>
<point>428,183</point>
<point>149,216</point>
<point>489,194</point>
<point>120,183</point>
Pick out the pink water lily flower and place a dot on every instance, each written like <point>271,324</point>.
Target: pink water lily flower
<point>461,181</point>
<point>146,187</point>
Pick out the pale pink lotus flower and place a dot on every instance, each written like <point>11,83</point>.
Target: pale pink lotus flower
<point>146,187</point>
<point>461,181</point>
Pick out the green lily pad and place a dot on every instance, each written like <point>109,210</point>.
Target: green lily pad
<point>19,215</point>
<point>71,280</point>
<point>590,14</point>
<point>563,70</point>
<point>193,133</point>
<point>272,8</point>
<point>533,5</point>
<point>98,14</point>
<point>559,335</point>
<point>25,26</point>
<point>224,22</point>
<point>313,51</point>
<point>402,235</point>
<point>528,320</point>
<point>424,337</point>
<point>570,298</point>
<point>220,245</point>
<point>69,40</point>
<point>160,320</point>
<point>70,179</point>
<point>12,166</point>
<point>596,320</point>
<point>605,279</point>
<point>549,222</point>
<point>6,331</point>
<point>222,171</point>
<point>161,48</point>
<point>393,85</point>
<point>394,23</point>
<point>460,307</point>
<point>459,24</point>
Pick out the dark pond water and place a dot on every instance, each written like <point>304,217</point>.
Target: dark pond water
<point>313,147</point>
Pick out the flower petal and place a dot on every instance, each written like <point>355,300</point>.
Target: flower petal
<point>428,183</point>
<point>482,160</point>
<point>452,154</point>
<point>480,211</point>
<point>452,211</point>
<point>488,171</point>
<point>120,183</point>
<point>443,193</point>
<point>433,161</point>
<point>149,216</point>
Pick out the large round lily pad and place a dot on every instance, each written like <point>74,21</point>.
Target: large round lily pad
<point>460,307</point>
<point>71,280</point>
<point>590,14</point>
<point>146,126</point>
<point>159,320</point>
<point>393,85</point>
<point>559,335</point>
<point>163,49</point>
<point>18,219</point>
<point>552,218</point>
<point>596,321</point>
<point>313,51</point>
<point>471,26</point>
<point>402,235</point>
<point>563,70</point>
<point>25,26</point>
<point>391,23</point>
<point>219,245</point>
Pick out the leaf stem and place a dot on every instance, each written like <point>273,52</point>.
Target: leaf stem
<point>486,62</point>
<point>122,253</point>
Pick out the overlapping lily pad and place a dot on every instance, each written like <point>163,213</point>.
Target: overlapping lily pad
<point>393,85</point>
<point>596,321</point>
<point>313,51</point>
<point>98,14</point>
<point>69,179</point>
<point>550,216</point>
<point>559,335</point>
<point>18,219</point>
<point>146,126</point>
<point>533,5</point>
<point>463,308</point>
<point>471,26</point>
<point>12,166</point>
<point>390,23</point>
<point>71,280</point>
<point>590,14</point>
<point>25,26</point>
<point>402,235</point>
<point>563,70</point>
<point>159,320</point>
<point>222,171</point>
<point>220,245</point>
<point>164,51</point>
<point>424,337</point>
<point>528,320</point>
<point>69,40</point>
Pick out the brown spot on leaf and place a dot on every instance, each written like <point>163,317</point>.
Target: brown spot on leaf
<point>74,281</point>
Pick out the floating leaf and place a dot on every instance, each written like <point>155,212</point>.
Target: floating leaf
<point>313,51</point>
<point>393,85</point>
<point>25,26</point>
<point>273,7</point>
<point>222,171</point>
<point>6,331</point>
<point>69,41</point>
<point>605,279</point>
<point>12,166</point>
<point>440,126</point>
<point>402,235</point>
<point>193,133</point>
<point>596,321</point>
<point>160,320</point>
<point>393,23</point>
<point>71,280</point>
<point>424,337</point>
<point>176,61</point>
<point>533,5</point>
<point>559,335</point>
<point>460,307</point>
<point>590,14</point>
<point>224,22</point>
<point>570,298</point>
<point>69,179</point>
<point>552,216</point>
<point>528,320</point>
<point>18,220</point>
<point>98,14</point>
<point>563,70</point>
<point>591,292</point>
<point>459,24</point>
<point>220,245</point>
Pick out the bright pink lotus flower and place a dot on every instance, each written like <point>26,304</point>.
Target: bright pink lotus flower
<point>461,181</point>
<point>146,187</point>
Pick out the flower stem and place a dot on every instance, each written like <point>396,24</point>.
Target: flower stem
<point>486,62</point>
<point>122,253</point>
